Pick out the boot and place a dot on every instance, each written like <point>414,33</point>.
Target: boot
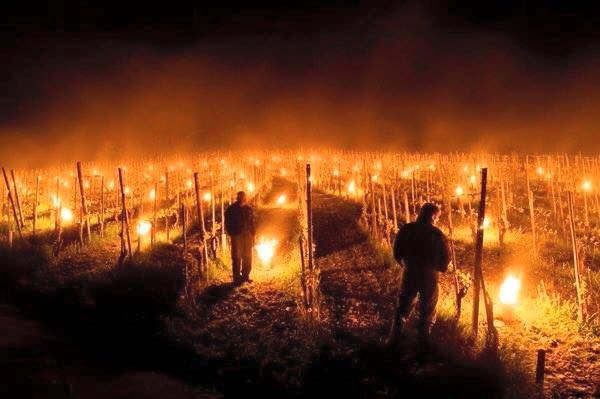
<point>424,349</point>
<point>395,333</point>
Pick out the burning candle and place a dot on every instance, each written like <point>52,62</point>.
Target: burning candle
<point>266,250</point>
<point>509,290</point>
<point>66,215</point>
<point>352,187</point>
<point>586,185</point>
<point>485,224</point>
<point>143,227</point>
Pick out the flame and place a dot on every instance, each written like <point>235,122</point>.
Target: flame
<point>486,223</point>
<point>66,215</point>
<point>352,187</point>
<point>281,199</point>
<point>509,290</point>
<point>250,187</point>
<point>540,171</point>
<point>266,250</point>
<point>55,200</point>
<point>586,185</point>
<point>188,183</point>
<point>143,227</point>
<point>152,194</point>
<point>459,191</point>
<point>207,196</point>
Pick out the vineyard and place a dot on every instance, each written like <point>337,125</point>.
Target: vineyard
<point>135,250</point>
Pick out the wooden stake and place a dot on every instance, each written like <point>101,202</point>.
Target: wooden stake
<point>102,206</point>
<point>154,223</point>
<point>35,204</point>
<point>406,210</point>
<point>124,216</point>
<point>12,204</point>
<point>394,216</point>
<point>184,227</point>
<point>84,208</point>
<point>477,272</point>
<point>575,257</point>
<point>200,214</point>
<point>20,212</point>
<point>540,366</point>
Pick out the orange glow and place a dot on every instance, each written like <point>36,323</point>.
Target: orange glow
<point>509,290</point>
<point>352,187</point>
<point>266,250</point>
<point>144,227</point>
<point>586,185</point>
<point>66,215</point>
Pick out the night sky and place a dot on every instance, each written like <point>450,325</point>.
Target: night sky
<point>86,80</point>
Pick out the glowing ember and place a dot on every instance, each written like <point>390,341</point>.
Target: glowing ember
<point>586,185</point>
<point>486,223</point>
<point>281,199</point>
<point>188,183</point>
<point>143,227</point>
<point>266,250</point>
<point>55,201</point>
<point>352,187</point>
<point>459,191</point>
<point>66,215</point>
<point>509,290</point>
<point>207,196</point>
<point>540,170</point>
<point>111,185</point>
<point>127,191</point>
<point>473,179</point>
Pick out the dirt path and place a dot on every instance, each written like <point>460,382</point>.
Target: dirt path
<point>254,335</point>
<point>359,286</point>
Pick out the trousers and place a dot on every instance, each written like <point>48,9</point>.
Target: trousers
<point>241,256</point>
<point>423,283</point>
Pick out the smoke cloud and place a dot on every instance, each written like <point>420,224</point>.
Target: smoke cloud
<point>401,82</point>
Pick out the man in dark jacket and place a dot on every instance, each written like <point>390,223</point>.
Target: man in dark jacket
<point>239,225</point>
<point>424,251</point>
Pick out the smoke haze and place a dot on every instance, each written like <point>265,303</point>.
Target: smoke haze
<point>396,81</point>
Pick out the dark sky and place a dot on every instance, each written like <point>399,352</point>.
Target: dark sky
<point>87,79</point>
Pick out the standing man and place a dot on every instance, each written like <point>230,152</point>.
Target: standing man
<point>424,251</point>
<point>239,225</point>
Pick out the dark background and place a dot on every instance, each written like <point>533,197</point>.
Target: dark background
<point>85,79</point>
